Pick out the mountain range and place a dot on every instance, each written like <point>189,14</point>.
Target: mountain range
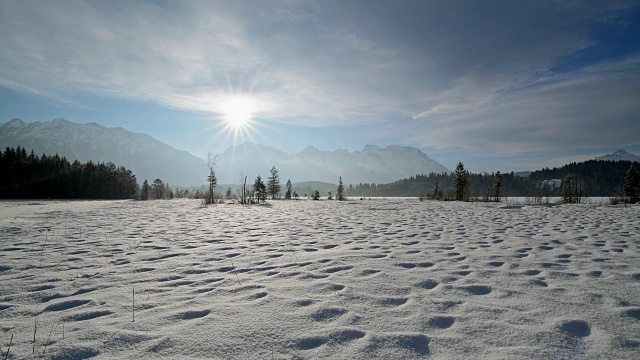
<point>145,156</point>
<point>371,164</point>
<point>149,158</point>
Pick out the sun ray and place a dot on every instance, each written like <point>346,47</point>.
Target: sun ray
<point>238,116</point>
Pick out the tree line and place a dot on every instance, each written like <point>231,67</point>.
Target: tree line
<point>31,176</point>
<point>28,176</point>
<point>442,185</point>
<point>259,191</point>
<point>589,178</point>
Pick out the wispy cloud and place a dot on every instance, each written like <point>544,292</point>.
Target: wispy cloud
<point>450,75</point>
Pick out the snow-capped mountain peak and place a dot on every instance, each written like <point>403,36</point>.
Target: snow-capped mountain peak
<point>620,155</point>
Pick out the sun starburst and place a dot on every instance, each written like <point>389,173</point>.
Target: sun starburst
<point>238,116</point>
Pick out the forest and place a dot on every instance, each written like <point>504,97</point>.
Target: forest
<point>28,176</point>
<point>594,178</point>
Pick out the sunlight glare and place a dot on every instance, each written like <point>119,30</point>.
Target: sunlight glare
<point>237,112</point>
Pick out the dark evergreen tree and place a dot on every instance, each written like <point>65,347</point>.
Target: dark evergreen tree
<point>144,195</point>
<point>461,183</point>
<point>260,189</point>
<point>158,188</point>
<point>273,182</point>
<point>316,195</point>
<point>229,193</point>
<point>213,182</point>
<point>288,193</point>
<point>497,184</point>
<point>632,185</point>
<point>329,196</point>
<point>340,194</point>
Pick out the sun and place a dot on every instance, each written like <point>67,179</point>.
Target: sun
<point>237,113</point>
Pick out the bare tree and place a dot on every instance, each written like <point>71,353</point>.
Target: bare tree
<point>212,161</point>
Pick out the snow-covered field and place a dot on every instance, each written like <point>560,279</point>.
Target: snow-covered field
<point>372,279</point>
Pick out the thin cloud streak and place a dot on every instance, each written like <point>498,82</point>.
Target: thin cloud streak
<point>434,74</point>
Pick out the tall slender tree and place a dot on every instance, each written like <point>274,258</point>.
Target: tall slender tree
<point>213,182</point>
<point>212,161</point>
<point>144,195</point>
<point>437,192</point>
<point>340,194</point>
<point>461,183</point>
<point>288,193</point>
<point>497,184</point>
<point>273,182</point>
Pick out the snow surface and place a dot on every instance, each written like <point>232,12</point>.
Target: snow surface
<point>372,279</point>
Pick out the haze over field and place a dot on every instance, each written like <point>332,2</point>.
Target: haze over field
<point>499,85</point>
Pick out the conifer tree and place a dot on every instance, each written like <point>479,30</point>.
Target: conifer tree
<point>461,183</point>
<point>632,185</point>
<point>497,184</point>
<point>213,182</point>
<point>158,188</point>
<point>144,195</point>
<point>260,189</point>
<point>316,195</point>
<point>288,193</point>
<point>340,195</point>
<point>273,183</point>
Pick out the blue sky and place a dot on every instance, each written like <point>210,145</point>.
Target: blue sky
<point>499,85</point>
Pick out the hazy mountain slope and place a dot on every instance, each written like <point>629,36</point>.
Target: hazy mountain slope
<point>372,164</point>
<point>147,157</point>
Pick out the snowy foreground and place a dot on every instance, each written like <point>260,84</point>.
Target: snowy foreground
<point>372,279</point>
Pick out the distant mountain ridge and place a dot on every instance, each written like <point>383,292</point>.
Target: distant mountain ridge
<point>145,156</point>
<point>619,155</point>
<point>149,158</point>
<point>371,164</point>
